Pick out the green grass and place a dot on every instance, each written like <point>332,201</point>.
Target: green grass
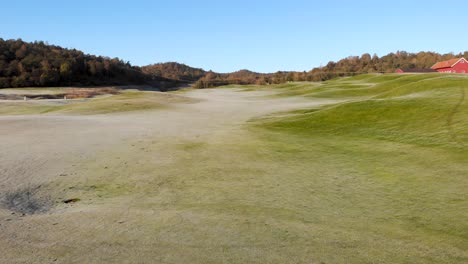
<point>379,179</point>
<point>274,197</point>
<point>125,102</point>
<point>392,164</point>
<point>417,109</point>
<point>363,86</point>
<point>128,101</point>
<point>19,108</point>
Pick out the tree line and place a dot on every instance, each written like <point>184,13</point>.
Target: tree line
<point>349,66</point>
<point>174,71</point>
<point>24,64</point>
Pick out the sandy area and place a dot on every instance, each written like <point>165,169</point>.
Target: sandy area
<point>36,149</point>
<point>40,150</point>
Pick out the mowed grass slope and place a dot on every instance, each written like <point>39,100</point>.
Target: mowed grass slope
<point>388,169</point>
<point>419,109</point>
<point>380,177</point>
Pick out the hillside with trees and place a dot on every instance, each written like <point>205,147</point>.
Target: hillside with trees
<point>174,71</point>
<point>24,64</point>
<point>373,64</point>
<point>349,66</point>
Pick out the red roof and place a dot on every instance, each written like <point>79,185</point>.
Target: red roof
<point>445,64</point>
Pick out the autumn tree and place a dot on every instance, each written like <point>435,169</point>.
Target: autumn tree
<point>38,64</point>
<point>65,71</point>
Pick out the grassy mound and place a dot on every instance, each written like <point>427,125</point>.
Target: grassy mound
<point>417,109</point>
<point>387,169</point>
<point>124,102</point>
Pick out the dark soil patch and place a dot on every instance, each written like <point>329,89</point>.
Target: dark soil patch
<point>27,201</point>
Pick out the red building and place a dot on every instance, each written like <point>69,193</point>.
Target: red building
<point>452,66</point>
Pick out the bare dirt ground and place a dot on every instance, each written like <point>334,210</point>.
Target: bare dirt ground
<point>47,159</point>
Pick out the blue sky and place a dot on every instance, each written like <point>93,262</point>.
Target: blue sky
<point>225,36</point>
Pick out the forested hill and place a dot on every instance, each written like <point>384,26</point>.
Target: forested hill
<point>24,64</point>
<point>349,66</point>
<point>385,64</point>
<point>175,71</point>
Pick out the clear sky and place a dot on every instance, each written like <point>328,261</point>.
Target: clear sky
<point>225,36</point>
